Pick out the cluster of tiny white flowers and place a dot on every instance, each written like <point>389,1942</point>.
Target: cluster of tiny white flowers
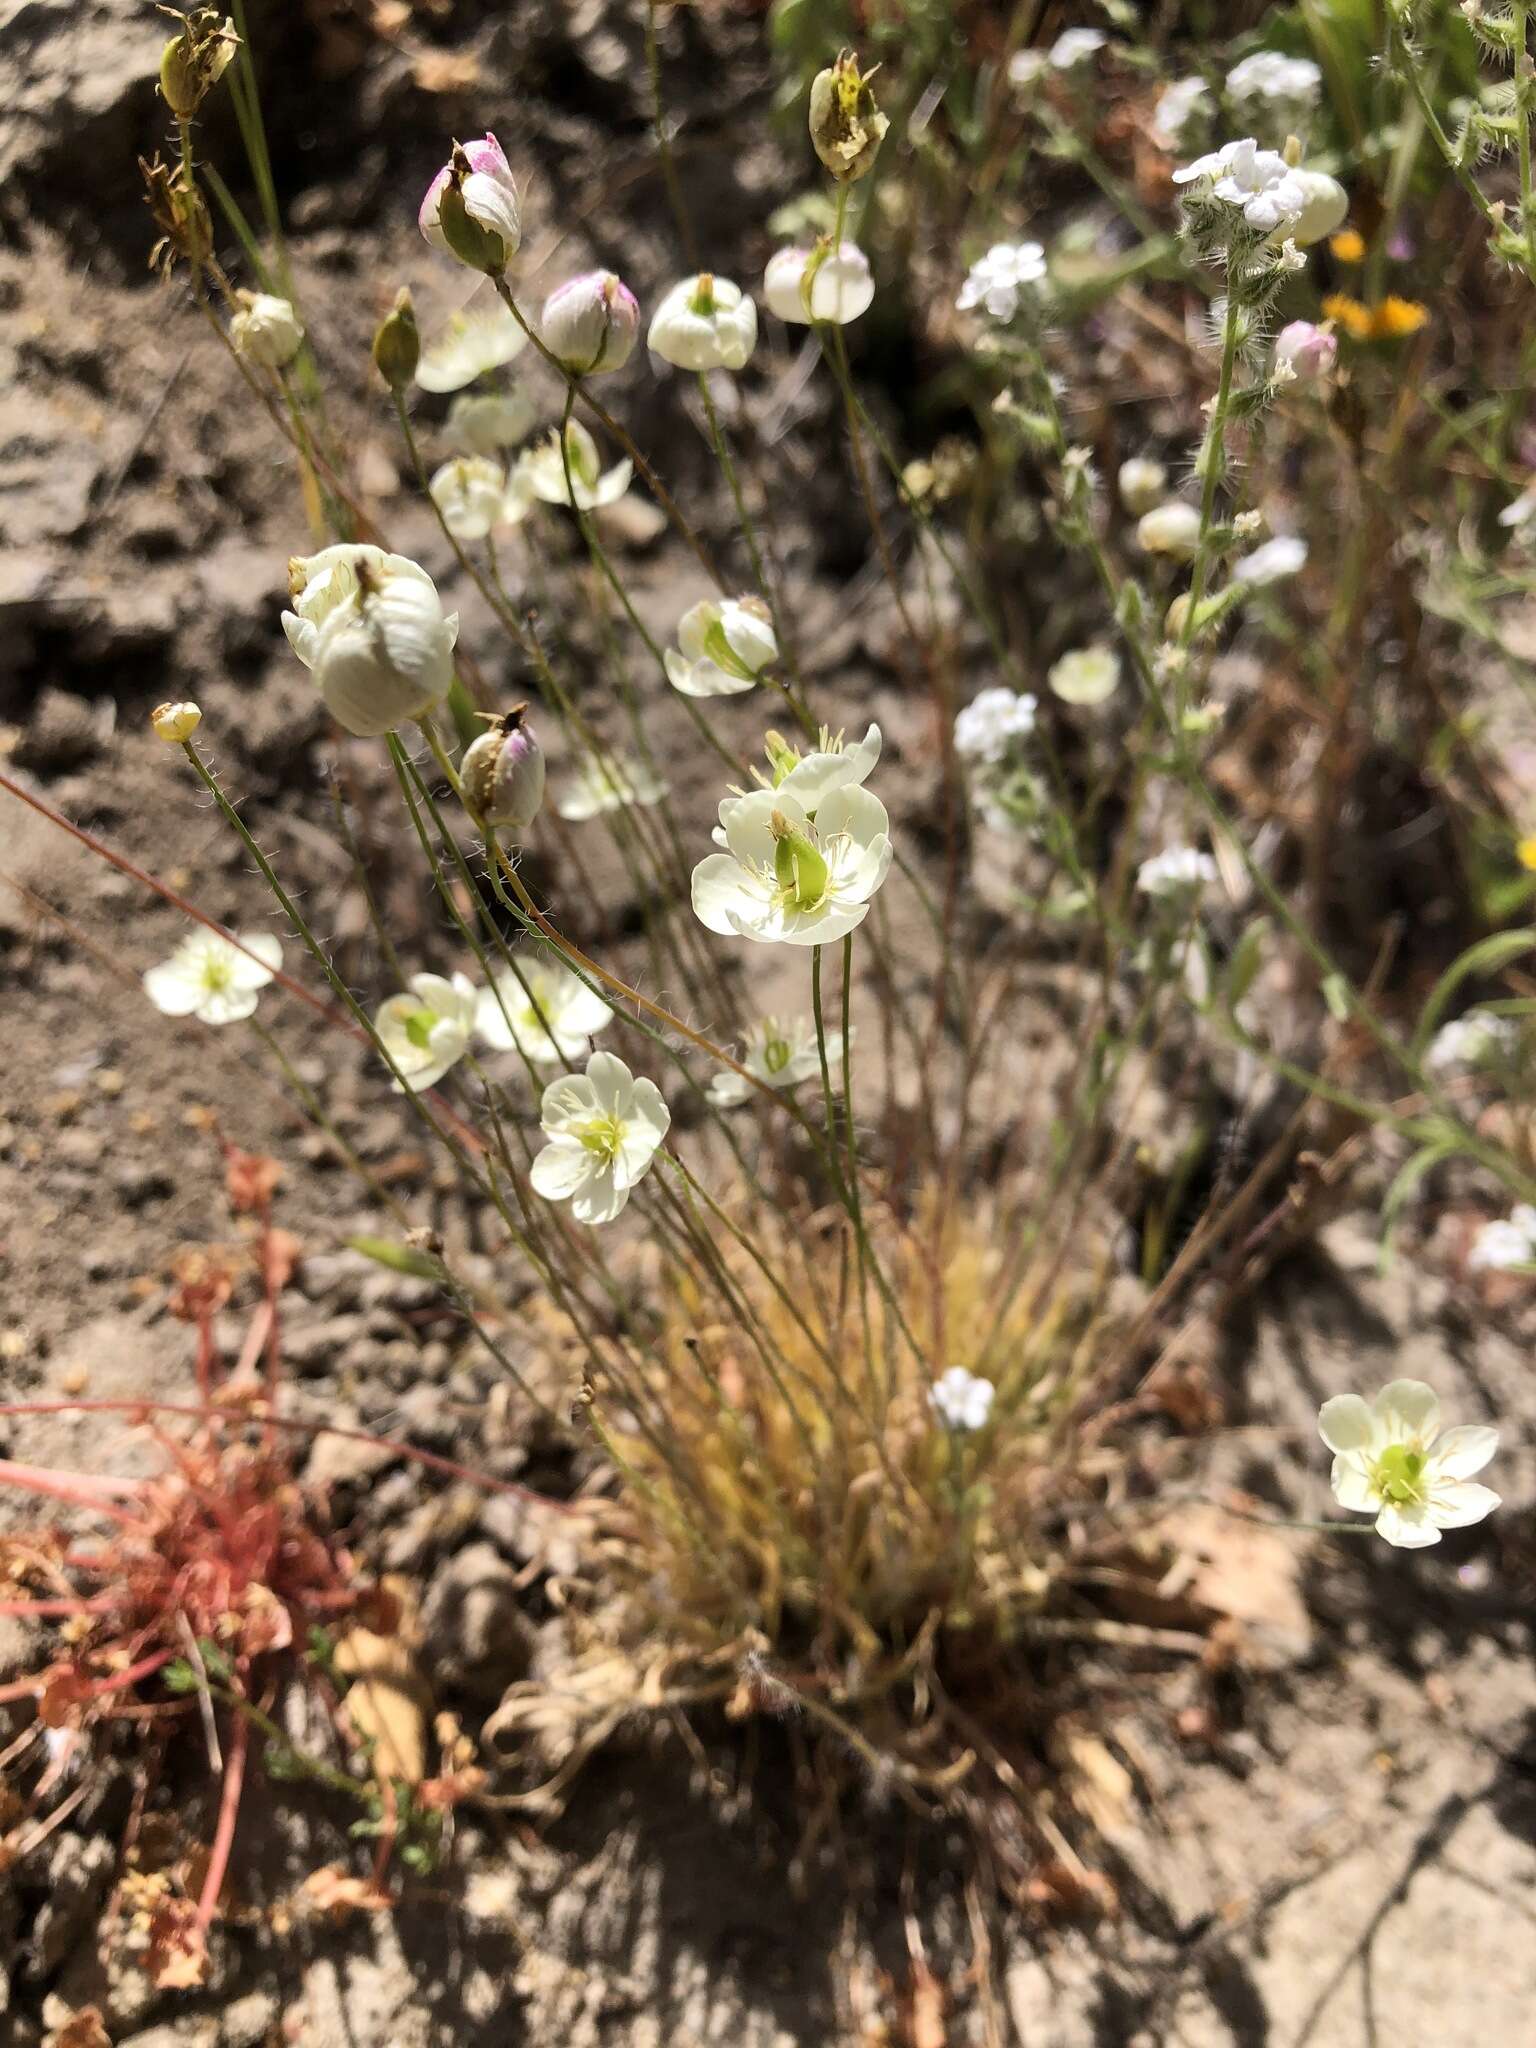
<point>1477,1039</point>
<point>1507,1245</point>
<point>1178,872</point>
<point>993,724</point>
<point>998,281</point>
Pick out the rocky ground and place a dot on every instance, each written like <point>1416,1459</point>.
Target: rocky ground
<point>1341,1852</point>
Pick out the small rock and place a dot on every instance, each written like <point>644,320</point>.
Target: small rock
<point>476,1636</point>
<point>140,1184</point>
<point>62,732</point>
<point>320,1346</point>
<point>80,1870</point>
<point>251,2021</point>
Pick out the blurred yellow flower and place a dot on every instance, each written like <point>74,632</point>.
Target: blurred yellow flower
<point>1525,852</point>
<point>1348,245</point>
<point>1388,321</point>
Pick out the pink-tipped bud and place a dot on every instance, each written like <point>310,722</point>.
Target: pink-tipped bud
<point>503,773</point>
<point>591,323</point>
<point>471,210</point>
<point>1307,350</point>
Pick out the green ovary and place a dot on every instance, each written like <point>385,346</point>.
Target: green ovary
<point>799,868</point>
<point>776,1055</point>
<point>602,1136</point>
<point>419,1027</point>
<point>1400,1475</point>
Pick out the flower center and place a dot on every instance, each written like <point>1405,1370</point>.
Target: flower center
<point>799,868</point>
<point>1400,1475</point>
<point>419,1027</point>
<point>776,1054</point>
<point>703,300</point>
<point>602,1136</point>
<point>217,976</point>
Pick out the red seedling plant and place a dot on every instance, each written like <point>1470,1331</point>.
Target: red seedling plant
<point>215,1567</point>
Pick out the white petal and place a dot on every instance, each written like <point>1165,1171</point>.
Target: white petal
<point>560,1169</point>
<point>600,1198</point>
<point>723,893</point>
<point>268,949</point>
<point>611,1082</point>
<point>1461,1452</point>
<point>749,829</point>
<point>173,991</point>
<point>1408,1410</point>
<point>1460,1505</point>
<point>1406,1528</point>
<point>226,1005</point>
<point>648,1108</point>
<point>1346,1424</point>
<point>1352,1486</point>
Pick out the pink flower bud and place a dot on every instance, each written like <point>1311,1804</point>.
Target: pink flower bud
<point>503,774</point>
<point>591,323</point>
<point>471,207</point>
<point>1308,350</point>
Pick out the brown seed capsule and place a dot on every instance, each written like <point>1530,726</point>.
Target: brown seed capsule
<point>847,127</point>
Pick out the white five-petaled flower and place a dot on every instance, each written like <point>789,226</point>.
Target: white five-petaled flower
<point>704,323</point>
<point>1088,675</point>
<point>265,330</point>
<point>545,1011</point>
<point>1258,181</point>
<point>1273,562</point>
<point>1075,46</point>
<point>1391,1461</point>
<point>488,422</point>
<point>1177,105</point>
<point>603,1128</point>
<point>788,879</point>
<point>427,1029</point>
<point>1268,75</point>
<point>1172,529</point>
<point>480,337</point>
<point>961,1399</point>
<point>209,978</point>
<point>481,178</point>
<point>542,471</point>
<point>1177,872</point>
<point>608,785</point>
<point>371,630</point>
<point>470,491</point>
<point>1474,1040</point>
<point>781,1052</point>
<point>992,723</point>
<point>723,646</point>
<point>1507,1245</point>
<point>841,287</point>
<point>997,281</point>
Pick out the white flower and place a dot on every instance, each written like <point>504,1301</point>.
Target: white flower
<point>175,723</point>
<point>991,723</point>
<point>545,1012</point>
<point>481,336</point>
<point>542,471</point>
<point>1025,68</point>
<point>1520,509</point>
<point>725,643</point>
<point>1391,1461</point>
<point>811,777</point>
<point>788,880</point>
<point>704,323</point>
<point>961,1400</point>
<point>1325,204</point>
<point>996,281</point>
<point>488,422</point>
<point>266,330</point>
<point>608,785</point>
<point>1269,76</point>
<point>1175,872</point>
<point>1171,529</point>
<point>1508,1245</point>
<point>1474,1040</point>
<point>841,289</point>
<point>370,628</point>
<point>603,1129</point>
<point>781,1052</point>
<point>1086,676</point>
<point>1177,105</point>
<point>1273,562</point>
<point>427,1030</point>
<point>1075,46</point>
<point>488,193</point>
<point>207,977</point>
<point>1259,181</point>
<point>1142,482</point>
<point>470,491</point>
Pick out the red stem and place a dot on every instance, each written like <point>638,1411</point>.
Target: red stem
<point>224,1833</point>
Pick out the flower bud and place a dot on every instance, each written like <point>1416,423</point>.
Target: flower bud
<point>591,323</point>
<point>471,208</point>
<point>175,723</point>
<point>1308,351</point>
<point>266,330</point>
<point>804,285</point>
<point>370,628</point>
<point>1171,529</point>
<point>704,323</point>
<point>192,63</point>
<point>1325,208</point>
<point>846,126</point>
<point>1142,483</point>
<point>503,773</point>
<point>397,344</point>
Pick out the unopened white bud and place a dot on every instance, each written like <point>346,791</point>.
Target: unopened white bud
<point>175,723</point>
<point>1171,529</point>
<point>1142,483</point>
<point>502,773</point>
<point>591,323</point>
<point>266,330</point>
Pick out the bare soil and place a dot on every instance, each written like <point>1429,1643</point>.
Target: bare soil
<point>1332,1847</point>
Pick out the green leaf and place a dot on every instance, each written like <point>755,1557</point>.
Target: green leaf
<point>1247,956</point>
<point>1336,996</point>
<point>1404,1183</point>
<point>1488,956</point>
